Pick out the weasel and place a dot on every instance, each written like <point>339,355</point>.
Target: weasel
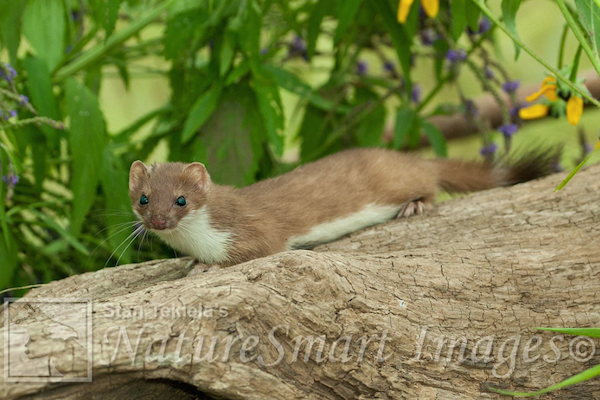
<point>313,204</point>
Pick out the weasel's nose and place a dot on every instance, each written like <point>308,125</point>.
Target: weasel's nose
<point>158,223</point>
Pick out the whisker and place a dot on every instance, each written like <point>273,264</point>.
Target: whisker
<point>136,231</point>
<point>126,247</point>
<point>115,225</point>
<point>120,230</point>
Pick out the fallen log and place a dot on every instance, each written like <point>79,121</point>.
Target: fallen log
<point>393,305</point>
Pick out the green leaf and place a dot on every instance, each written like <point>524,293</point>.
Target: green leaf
<point>436,139</point>
<point>125,134</point>
<point>413,22</point>
<point>11,14</point>
<point>93,78</point>
<point>233,138</point>
<point>371,127</point>
<point>400,40</point>
<point>589,15</point>
<point>86,141</point>
<point>42,96</point>
<point>237,73</point>
<point>581,377</point>
<point>313,130</point>
<point>458,8</point>
<point>44,27</point>
<point>96,52</point>
<point>114,183</point>
<point>201,111</point>
<point>292,83</point>
<point>227,53</point>
<point>271,109</point>
<point>112,15</point>
<point>405,123</point>
<point>249,40</point>
<point>39,153</point>
<point>8,259</point>
<point>577,168</point>
<point>346,16</point>
<point>179,32</point>
<point>69,238</point>
<point>314,25</point>
<point>473,12</point>
<point>509,13</point>
<point>4,169</point>
<point>590,332</point>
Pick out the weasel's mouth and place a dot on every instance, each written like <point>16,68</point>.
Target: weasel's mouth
<point>158,228</point>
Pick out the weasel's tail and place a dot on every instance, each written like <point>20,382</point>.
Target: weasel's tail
<point>470,176</point>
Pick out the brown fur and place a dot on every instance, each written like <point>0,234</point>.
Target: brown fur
<point>263,216</point>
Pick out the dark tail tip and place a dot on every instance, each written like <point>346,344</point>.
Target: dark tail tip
<point>532,164</point>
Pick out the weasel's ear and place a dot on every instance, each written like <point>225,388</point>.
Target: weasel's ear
<point>197,172</point>
<point>137,174</point>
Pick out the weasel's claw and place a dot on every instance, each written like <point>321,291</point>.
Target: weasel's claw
<point>414,207</point>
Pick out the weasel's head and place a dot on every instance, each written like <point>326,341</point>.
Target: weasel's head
<point>163,194</point>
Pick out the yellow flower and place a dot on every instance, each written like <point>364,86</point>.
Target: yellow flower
<point>549,89</point>
<point>431,8</point>
<point>574,109</point>
<point>533,112</point>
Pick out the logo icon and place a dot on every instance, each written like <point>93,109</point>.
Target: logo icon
<point>47,340</point>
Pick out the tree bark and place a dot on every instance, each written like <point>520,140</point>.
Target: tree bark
<point>489,267</point>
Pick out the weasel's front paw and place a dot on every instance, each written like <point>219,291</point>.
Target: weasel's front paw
<point>201,268</point>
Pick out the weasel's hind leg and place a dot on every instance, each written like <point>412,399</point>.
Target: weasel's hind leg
<point>414,207</point>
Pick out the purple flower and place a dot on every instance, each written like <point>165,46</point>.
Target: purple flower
<point>508,130</point>
<point>264,51</point>
<point>456,56</point>
<point>12,113</point>
<point>484,25</point>
<point>511,86</point>
<point>11,179</point>
<point>10,73</point>
<point>415,93</point>
<point>470,108</point>
<point>488,149</point>
<point>362,67</point>
<point>24,99</point>
<point>514,111</point>
<point>298,44</point>
<point>488,73</point>
<point>428,37</point>
<point>389,66</point>
<point>297,47</point>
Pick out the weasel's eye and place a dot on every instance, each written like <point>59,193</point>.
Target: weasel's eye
<point>144,200</point>
<point>181,201</point>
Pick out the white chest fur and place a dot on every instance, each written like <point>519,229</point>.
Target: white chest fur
<point>372,214</point>
<point>197,237</point>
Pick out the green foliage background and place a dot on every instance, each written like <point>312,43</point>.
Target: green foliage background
<point>228,65</point>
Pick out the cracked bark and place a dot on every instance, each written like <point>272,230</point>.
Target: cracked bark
<point>493,264</point>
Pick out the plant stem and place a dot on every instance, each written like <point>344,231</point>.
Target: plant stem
<point>492,17</point>
<point>579,35</point>
<point>563,41</point>
<point>440,84</point>
<point>99,50</point>
<point>575,67</point>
